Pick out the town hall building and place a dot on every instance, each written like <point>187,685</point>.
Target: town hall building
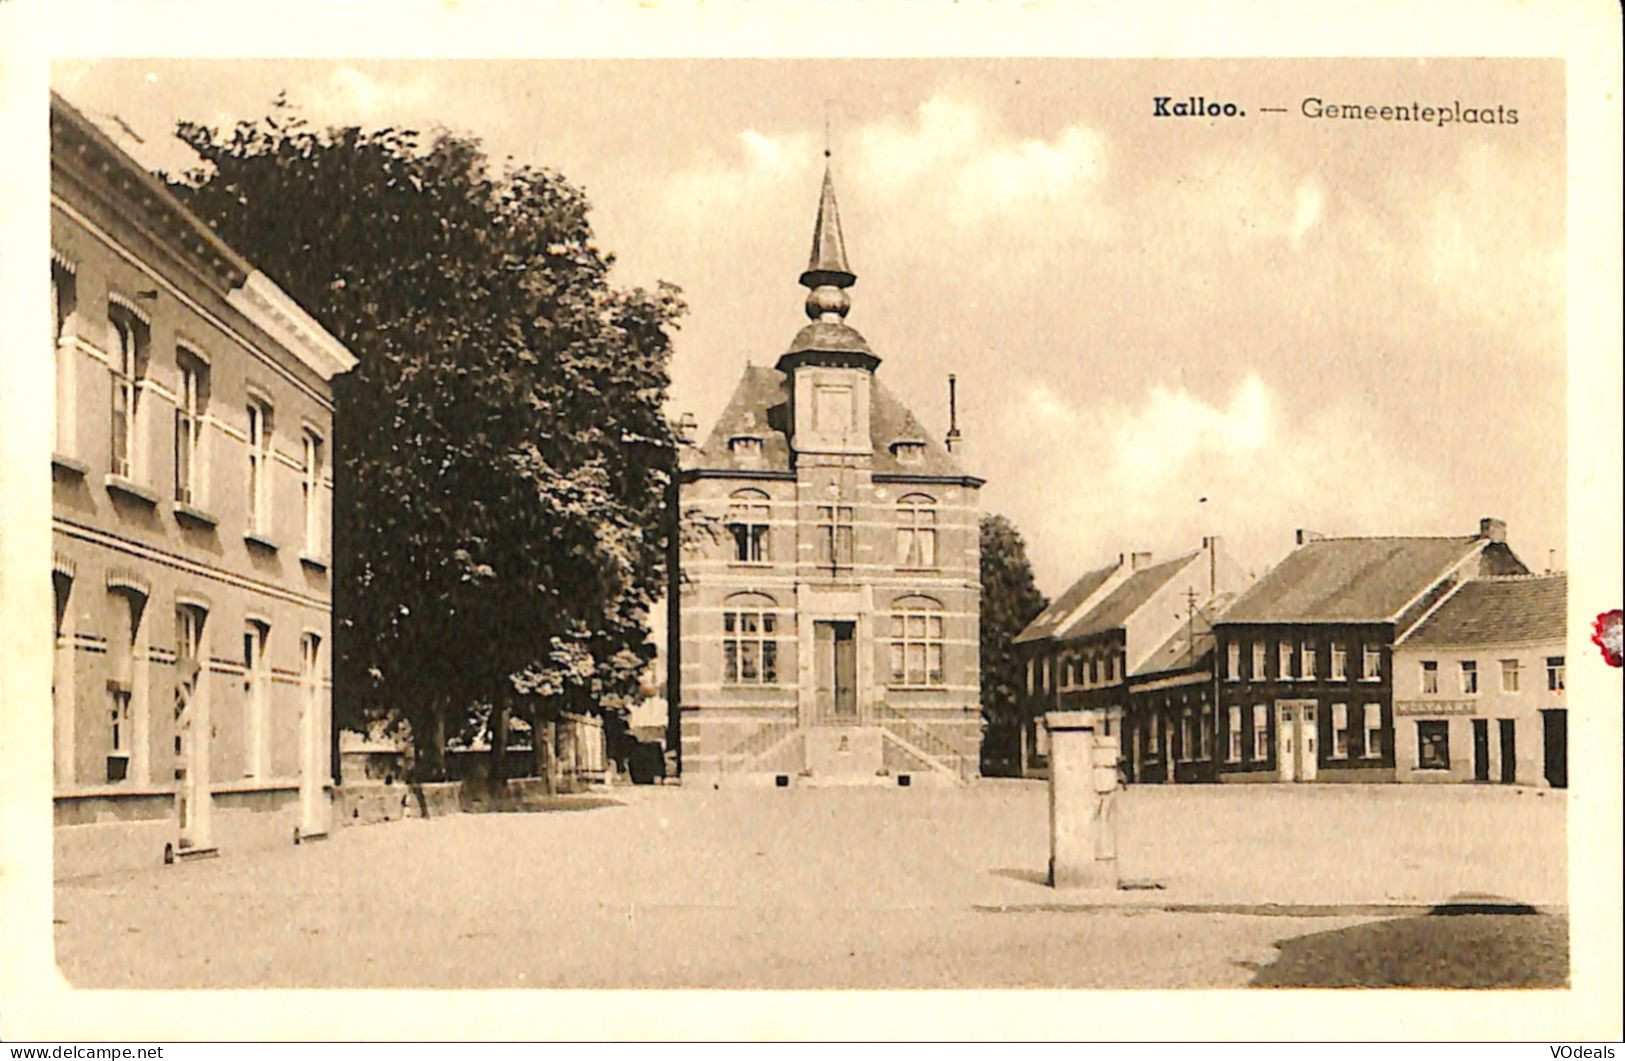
<point>824,615</point>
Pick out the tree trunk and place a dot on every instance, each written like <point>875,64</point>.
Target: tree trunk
<point>499,748</point>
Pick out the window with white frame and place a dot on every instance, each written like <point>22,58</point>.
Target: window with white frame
<point>65,300</point>
<point>1232,661</point>
<point>1261,733</point>
<point>1469,677</point>
<point>1339,668</point>
<point>1554,673</point>
<point>1187,740</point>
<point>129,364</point>
<point>259,466</point>
<point>1233,734</point>
<point>750,649</point>
<point>835,535</point>
<point>1307,660</point>
<point>1285,660</point>
<point>1371,663</point>
<point>1373,731</point>
<point>1430,677</point>
<point>256,693</point>
<point>916,531</point>
<point>1340,731</point>
<point>122,683</point>
<point>1204,734</point>
<point>1260,655</point>
<point>749,513</point>
<point>1511,676</point>
<point>310,486</point>
<point>916,643</point>
<point>191,401</point>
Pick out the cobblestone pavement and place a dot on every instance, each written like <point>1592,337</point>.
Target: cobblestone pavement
<point>804,888</point>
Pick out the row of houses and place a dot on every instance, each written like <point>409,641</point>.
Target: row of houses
<point>1354,659</point>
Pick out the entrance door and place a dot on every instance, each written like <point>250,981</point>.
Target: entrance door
<point>1555,731</point>
<point>191,732</point>
<point>835,648</point>
<point>311,738</point>
<point>1481,749</point>
<point>1509,751</point>
<point>1297,739</point>
<point>1286,742</point>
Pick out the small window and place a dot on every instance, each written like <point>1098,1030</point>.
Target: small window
<point>310,488</point>
<point>1232,661</point>
<point>1432,744</point>
<point>835,535</point>
<point>129,363</point>
<point>259,467</point>
<point>1285,660</point>
<point>1340,731</point>
<point>1204,734</point>
<point>1306,661</point>
<point>1233,735</point>
<point>1430,677</point>
<point>1373,731</point>
<point>750,651</point>
<point>256,692</point>
<point>1371,663</point>
<point>1261,733</point>
<point>65,300</point>
<point>916,531</point>
<point>1031,667</point>
<point>1469,677</point>
<point>1260,653</point>
<point>909,452</point>
<point>190,404</point>
<point>1554,673</point>
<point>1511,676</point>
<point>1187,742</point>
<point>1340,662</point>
<point>748,447</point>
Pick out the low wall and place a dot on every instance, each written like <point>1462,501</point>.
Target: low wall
<point>371,803</point>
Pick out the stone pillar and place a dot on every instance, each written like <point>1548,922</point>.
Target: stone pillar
<point>1082,802</point>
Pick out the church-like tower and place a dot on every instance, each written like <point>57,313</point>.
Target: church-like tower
<point>827,627</point>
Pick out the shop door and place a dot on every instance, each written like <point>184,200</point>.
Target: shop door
<point>1481,749</point>
<point>1509,751</point>
<point>1308,741</point>
<point>1297,739</point>
<point>1555,731</point>
<point>1286,742</point>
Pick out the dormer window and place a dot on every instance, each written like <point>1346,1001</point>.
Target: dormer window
<point>908,451</point>
<point>746,447</point>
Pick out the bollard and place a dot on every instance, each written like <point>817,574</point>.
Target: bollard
<point>1082,802</point>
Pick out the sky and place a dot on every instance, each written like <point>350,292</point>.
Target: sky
<point>1163,328</point>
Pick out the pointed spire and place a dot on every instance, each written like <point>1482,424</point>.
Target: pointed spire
<point>827,264</point>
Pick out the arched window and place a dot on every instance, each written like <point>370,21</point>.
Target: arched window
<point>916,531</point>
<point>750,649</point>
<point>916,642</point>
<point>748,515</point>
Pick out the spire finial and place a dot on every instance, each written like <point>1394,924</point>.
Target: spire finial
<point>827,273</point>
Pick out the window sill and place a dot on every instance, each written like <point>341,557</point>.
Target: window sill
<point>313,561</point>
<point>118,484</point>
<point>1432,769</point>
<point>63,462</point>
<point>261,541</point>
<point>917,688</point>
<point>905,570</point>
<point>750,563</point>
<point>196,515</point>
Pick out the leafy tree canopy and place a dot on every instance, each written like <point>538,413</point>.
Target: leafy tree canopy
<point>1010,600</point>
<point>501,452</point>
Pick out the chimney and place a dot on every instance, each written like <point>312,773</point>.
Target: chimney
<point>687,426</point>
<point>1551,561</point>
<point>1307,536</point>
<point>955,441</point>
<point>1493,529</point>
<point>1211,547</point>
<point>1139,561</point>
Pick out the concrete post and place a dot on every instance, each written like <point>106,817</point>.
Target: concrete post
<point>1082,802</point>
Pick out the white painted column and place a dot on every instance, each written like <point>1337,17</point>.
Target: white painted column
<point>1082,802</point>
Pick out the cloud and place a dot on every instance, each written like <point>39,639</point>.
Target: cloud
<point>358,97</point>
<point>759,172</point>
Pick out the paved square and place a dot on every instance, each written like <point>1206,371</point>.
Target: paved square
<point>831,887</point>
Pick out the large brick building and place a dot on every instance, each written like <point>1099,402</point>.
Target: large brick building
<point>827,628</point>
<point>191,499</point>
<point>1306,656</point>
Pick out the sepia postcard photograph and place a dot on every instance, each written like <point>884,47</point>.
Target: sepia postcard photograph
<point>814,524</point>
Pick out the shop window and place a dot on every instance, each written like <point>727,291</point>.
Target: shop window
<point>1432,744</point>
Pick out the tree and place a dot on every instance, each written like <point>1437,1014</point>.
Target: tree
<point>501,453</point>
<point>1010,600</point>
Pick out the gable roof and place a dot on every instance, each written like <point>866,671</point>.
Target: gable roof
<point>1046,622</point>
<point>1122,602</point>
<point>1363,580</point>
<point>761,406</point>
<point>1499,610</point>
<point>1189,646</point>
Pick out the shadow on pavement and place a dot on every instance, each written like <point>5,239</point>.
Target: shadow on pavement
<point>1460,944</point>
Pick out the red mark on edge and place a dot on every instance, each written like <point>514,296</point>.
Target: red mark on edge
<point>1606,635</point>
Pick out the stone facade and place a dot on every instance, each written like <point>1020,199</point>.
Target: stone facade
<point>828,604</point>
<point>191,503</point>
